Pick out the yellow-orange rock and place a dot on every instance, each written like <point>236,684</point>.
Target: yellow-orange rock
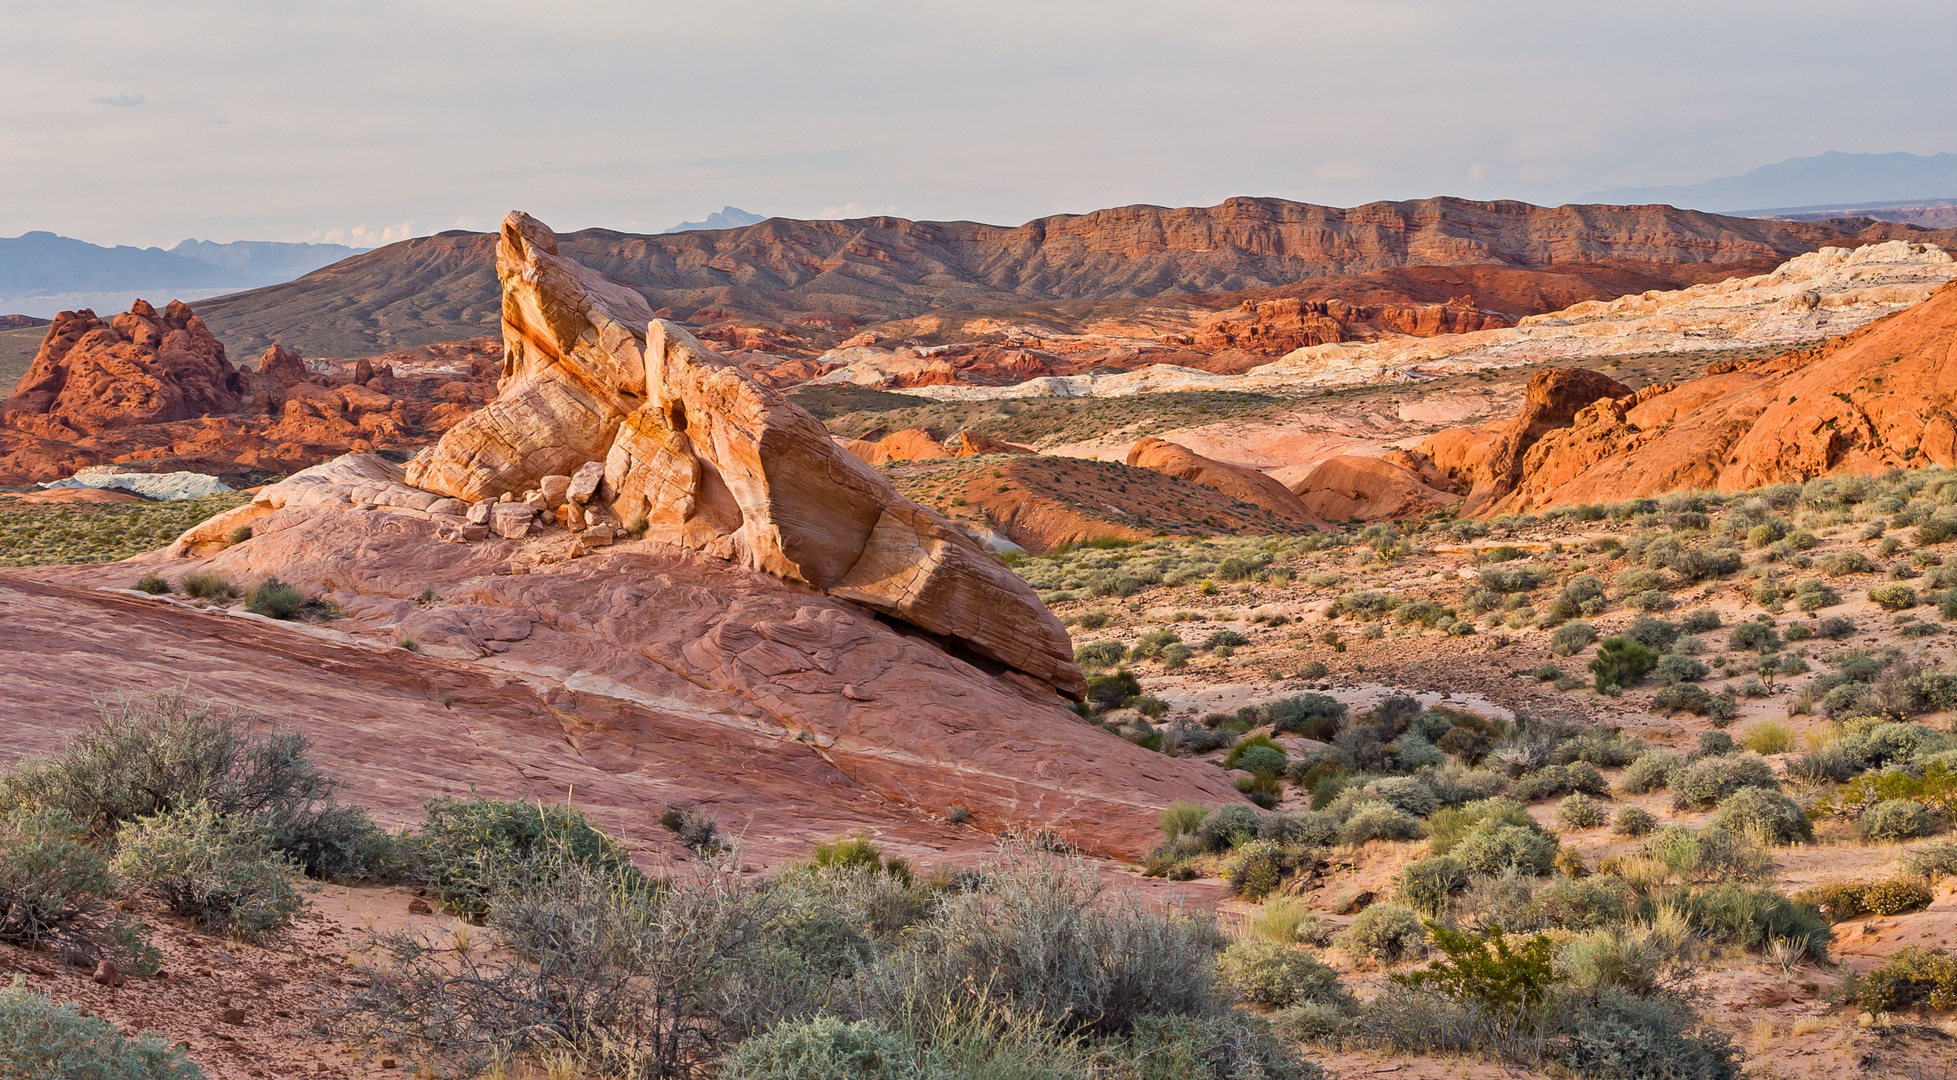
<point>967,444</point>
<point>1350,487</point>
<point>711,460</point>
<point>1244,485</point>
<point>910,444</point>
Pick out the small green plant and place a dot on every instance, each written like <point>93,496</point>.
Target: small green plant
<point>1911,976</point>
<point>206,585</point>
<point>238,534</point>
<point>467,848</point>
<point>1620,662</point>
<point>1897,819</point>
<point>1256,869</point>
<point>1634,821</point>
<point>41,1039</point>
<point>700,833</point>
<point>408,642</point>
<point>152,583</point>
<point>1386,932</point>
<point>1182,817</point>
<point>1894,596</point>
<point>55,890</point>
<point>220,871</point>
<point>1265,973</point>
<point>1580,811</point>
<point>821,1048</point>
<point>1508,984</point>
<point>1764,815</point>
<point>275,599</point>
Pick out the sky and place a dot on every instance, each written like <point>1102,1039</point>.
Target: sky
<point>149,121</point>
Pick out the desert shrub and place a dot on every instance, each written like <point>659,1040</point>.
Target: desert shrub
<point>1571,638</point>
<point>1225,825</point>
<point>1757,636</point>
<point>1768,737</point>
<point>1510,579</point>
<point>1912,975</point>
<point>1893,597</point>
<point>1447,827</point>
<point>1655,633</point>
<point>821,1048</point>
<point>206,585</point>
<point>1837,900</point>
<point>1632,958</point>
<point>167,751</point>
<point>1490,849</point>
<point>1579,812</point>
<point>1797,632</point>
<point>1714,744</point>
<point>275,599</point>
<point>1711,779</point>
<point>1112,691</point>
<point>1225,1046</point>
<point>1255,869</point>
<point>1621,662</point>
<point>1454,783</point>
<point>1654,770</point>
<point>1100,654</point>
<point>1315,716</point>
<point>1673,668</point>
<point>1309,829</point>
<point>1503,983</point>
<point>1897,819</point>
<point>1154,644</point>
<point>1634,821</point>
<point>1846,562</point>
<point>1754,915</point>
<point>1264,973</point>
<point>1813,594</point>
<point>1698,564</point>
<point>1711,854</point>
<point>220,871</point>
<point>1176,657</point>
<point>1933,861</point>
<point>1404,793</point>
<point>467,848</point>
<point>1425,886</point>
<point>1620,1035</point>
<point>1552,780</point>
<point>1366,605</point>
<point>1895,896</point>
<point>1767,816</point>
<point>1258,758</point>
<point>151,583</point>
<point>55,890</point>
<point>1603,747</point>
<point>1182,817</point>
<point>1387,932</point>
<point>43,1040</point>
<point>1377,821</point>
<point>1834,627</point>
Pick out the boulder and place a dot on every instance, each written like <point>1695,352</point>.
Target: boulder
<point>555,490</point>
<point>1244,485</point>
<point>713,461</point>
<point>585,482</point>
<point>511,521</point>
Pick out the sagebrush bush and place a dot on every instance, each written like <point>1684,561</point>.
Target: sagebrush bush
<point>1491,849</point>
<point>1765,816</point>
<point>151,583</point>
<point>1378,821</point>
<point>1894,597</point>
<point>168,751</point>
<point>1230,1044</point>
<point>1386,932</point>
<point>1265,973</point>
<point>1709,780</point>
<point>275,599</point>
<point>465,849</point>
<point>43,1040</point>
<point>1620,663</point>
<point>1553,780</point>
<point>1893,896</point>
<point>1427,885</point>
<point>55,893</point>
<point>1754,915</point>
<point>1571,638</point>
<point>1654,770</point>
<point>1912,975</point>
<point>1580,812</point>
<point>1897,819</point>
<point>1932,862</point>
<point>206,585</point>
<point>1615,1034</point>
<point>1634,821</point>
<point>1255,869</point>
<point>1448,826</point>
<point>219,870</point>
<point>1633,958</point>
<point>821,1048</point>
<point>1711,854</point>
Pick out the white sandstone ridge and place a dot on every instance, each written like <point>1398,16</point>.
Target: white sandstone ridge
<point>162,487</point>
<point>1822,294</point>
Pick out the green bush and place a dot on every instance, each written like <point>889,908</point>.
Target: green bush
<point>1112,691</point>
<point>1449,826</point>
<point>1100,654</point>
<point>1255,869</point>
<point>167,752</point>
<point>1766,816</point>
<point>275,599</point>
<point>1757,636</point>
<point>1654,770</point>
<point>1709,780</point>
<point>41,1040</point>
<point>1897,819</point>
<point>1506,984</point>
<point>206,585</point>
<point>1580,812</point>
<point>1618,1035</point>
<point>1620,662</point>
<point>1895,896</point>
<point>1911,976</point>
<point>1753,916</point>
<point>700,834</point>
<point>1154,645</point>
<point>1426,885</point>
<point>1387,932</point>
<point>1492,848</point>
<point>220,871</point>
<point>1634,821</point>
<point>1673,668</point>
<point>1182,817</point>
<point>1552,780</point>
<point>821,1049</point>
<point>1265,973</point>
<point>1258,755</point>
<point>1632,958</point>
<point>1712,854</point>
<point>1572,638</point>
<point>466,848</point>
<point>55,890</point>
<point>1932,862</point>
<point>1893,597</point>
<point>1228,1045</point>
<point>1378,821</point>
<point>151,583</point>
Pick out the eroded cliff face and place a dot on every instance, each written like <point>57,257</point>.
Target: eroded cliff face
<point>699,455</point>
<point>1879,399</point>
<point>139,367</point>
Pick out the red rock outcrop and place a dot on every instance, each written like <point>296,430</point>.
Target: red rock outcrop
<point>1487,465</point>
<point>140,367</point>
<point>1352,488</point>
<point>910,444</point>
<point>710,460</point>
<point>1244,485</point>
<point>1267,328</point>
<point>1884,397</point>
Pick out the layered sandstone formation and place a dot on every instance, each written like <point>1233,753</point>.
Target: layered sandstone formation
<point>1276,327</point>
<point>1813,297</point>
<point>1880,399</point>
<point>1354,488</point>
<point>697,455</point>
<point>1241,484</point>
<point>156,393</point>
<point>916,444</point>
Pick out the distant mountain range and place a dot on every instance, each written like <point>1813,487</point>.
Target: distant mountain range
<point>729,217</point>
<point>1868,183</point>
<point>42,273</point>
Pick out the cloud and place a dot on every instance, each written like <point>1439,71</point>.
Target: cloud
<point>855,210</point>
<point>361,236</point>
<point>120,101</point>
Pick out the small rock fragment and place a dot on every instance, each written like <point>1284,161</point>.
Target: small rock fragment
<point>109,975</point>
<point>479,511</point>
<point>418,906</point>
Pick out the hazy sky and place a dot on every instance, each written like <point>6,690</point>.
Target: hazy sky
<point>147,122</point>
